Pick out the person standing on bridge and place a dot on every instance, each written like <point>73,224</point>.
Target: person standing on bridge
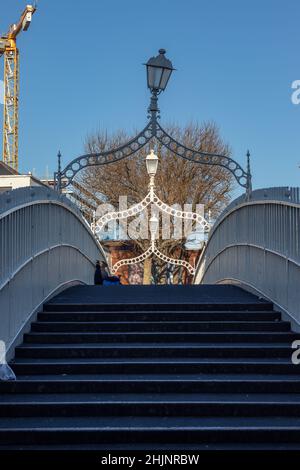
<point>102,277</point>
<point>107,279</point>
<point>98,278</point>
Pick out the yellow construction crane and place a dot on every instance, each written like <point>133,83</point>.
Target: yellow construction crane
<point>8,48</point>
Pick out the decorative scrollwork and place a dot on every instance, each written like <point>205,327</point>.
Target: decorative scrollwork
<point>140,206</point>
<point>150,251</point>
<point>135,260</point>
<point>205,158</point>
<point>152,130</point>
<point>103,158</point>
<point>133,210</point>
<point>194,216</point>
<point>176,262</point>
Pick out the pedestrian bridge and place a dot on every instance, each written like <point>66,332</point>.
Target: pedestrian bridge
<point>46,246</point>
<point>207,366</point>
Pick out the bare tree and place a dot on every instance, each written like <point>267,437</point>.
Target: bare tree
<point>178,181</point>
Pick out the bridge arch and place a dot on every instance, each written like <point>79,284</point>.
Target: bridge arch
<point>256,244</point>
<point>46,246</point>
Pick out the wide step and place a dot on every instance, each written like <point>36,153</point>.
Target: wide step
<point>133,350</point>
<point>183,327</point>
<point>155,337</point>
<point>159,383</point>
<point>160,315</point>
<point>149,405</point>
<point>146,429</point>
<point>152,366</point>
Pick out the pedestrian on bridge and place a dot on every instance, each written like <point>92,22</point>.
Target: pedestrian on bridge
<point>102,277</point>
<point>98,278</point>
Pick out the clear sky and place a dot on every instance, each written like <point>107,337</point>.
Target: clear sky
<point>81,70</point>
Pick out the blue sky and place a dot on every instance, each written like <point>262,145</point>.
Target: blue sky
<point>81,70</point>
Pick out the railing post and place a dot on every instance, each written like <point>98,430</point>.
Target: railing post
<point>57,174</point>
<point>249,178</point>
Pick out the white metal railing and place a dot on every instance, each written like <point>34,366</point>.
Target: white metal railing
<point>256,244</point>
<point>45,245</point>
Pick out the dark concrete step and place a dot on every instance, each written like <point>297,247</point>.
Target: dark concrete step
<point>85,306</point>
<point>160,327</point>
<point>173,398</point>
<point>212,337</point>
<point>132,350</point>
<point>160,316</point>
<point>153,366</point>
<point>147,383</point>
<point>177,405</point>
<point>161,447</point>
<point>154,448</point>
<point>183,430</point>
<point>158,295</point>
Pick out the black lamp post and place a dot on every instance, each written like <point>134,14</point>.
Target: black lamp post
<point>159,70</point>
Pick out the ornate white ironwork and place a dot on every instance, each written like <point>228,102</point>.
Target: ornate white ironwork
<point>153,250</point>
<point>133,210</point>
<point>140,206</point>
<point>151,198</point>
<point>135,260</point>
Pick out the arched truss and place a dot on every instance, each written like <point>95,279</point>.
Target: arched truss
<point>153,250</point>
<point>195,156</point>
<point>153,130</point>
<point>103,158</point>
<point>176,262</point>
<point>140,206</point>
<point>137,259</point>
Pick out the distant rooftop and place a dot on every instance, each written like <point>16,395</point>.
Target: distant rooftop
<point>7,170</point>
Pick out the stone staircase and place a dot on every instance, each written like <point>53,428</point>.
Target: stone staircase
<point>170,367</point>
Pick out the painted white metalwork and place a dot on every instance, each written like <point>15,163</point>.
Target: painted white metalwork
<point>176,262</point>
<point>153,250</point>
<point>151,198</point>
<point>137,259</point>
<point>46,245</point>
<point>256,244</point>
